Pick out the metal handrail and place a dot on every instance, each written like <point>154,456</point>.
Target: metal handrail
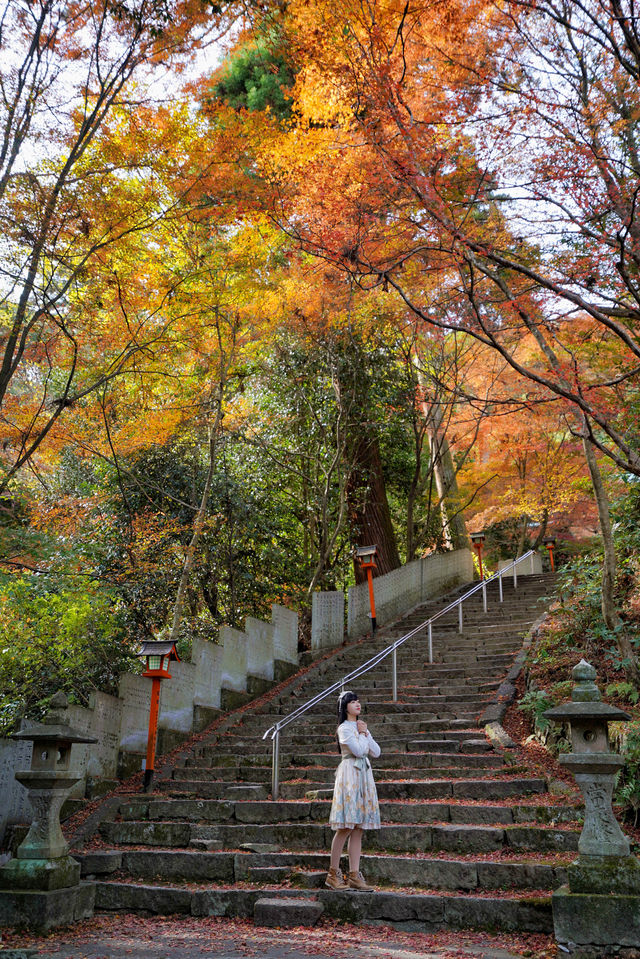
<point>389,650</point>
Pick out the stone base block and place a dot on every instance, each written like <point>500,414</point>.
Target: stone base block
<point>14,836</point>
<point>287,912</point>
<point>40,874</point>
<point>203,716</point>
<point>97,788</point>
<point>42,911</point>
<point>70,807</point>
<point>168,739</point>
<point>282,670</point>
<point>257,685</point>
<point>129,763</point>
<point>600,922</point>
<point>231,699</point>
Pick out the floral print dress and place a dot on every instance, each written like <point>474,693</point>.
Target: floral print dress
<point>355,799</point>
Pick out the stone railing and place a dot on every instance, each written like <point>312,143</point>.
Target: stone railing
<point>395,594</point>
<point>220,676</point>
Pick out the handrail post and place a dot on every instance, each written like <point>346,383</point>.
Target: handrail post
<point>395,675</point>
<point>515,574</point>
<point>275,766</point>
<point>532,569</point>
<point>484,595</point>
<point>500,585</point>
<point>430,643</point>
<point>460,616</point>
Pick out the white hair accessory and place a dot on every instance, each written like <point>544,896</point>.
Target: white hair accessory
<point>345,692</point>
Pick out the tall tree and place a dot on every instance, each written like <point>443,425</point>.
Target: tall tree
<point>83,169</point>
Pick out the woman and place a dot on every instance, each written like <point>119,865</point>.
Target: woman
<point>355,800</point>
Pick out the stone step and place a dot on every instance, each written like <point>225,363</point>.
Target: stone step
<point>460,788</point>
<point>317,777</point>
<point>445,793</point>
<point>415,757</point>
<point>325,774</point>
<point>326,722</point>
<point>248,749</point>
<point>215,810</point>
<point>430,704</point>
<point>427,872</point>
<point>230,752</point>
<point>412,838</point>
<point>403,760</point>
<point>422,722</point>
<point>425,911</point>
<point>425,744</point>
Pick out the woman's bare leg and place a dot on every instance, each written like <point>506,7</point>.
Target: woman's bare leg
<point>337,845</point>
<point>355,848</point>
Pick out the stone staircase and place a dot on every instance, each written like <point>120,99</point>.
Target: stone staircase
<point>470,837</point>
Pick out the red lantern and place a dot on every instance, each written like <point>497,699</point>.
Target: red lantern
<point>550,542</point>
<point>367,555</point>
<point>157,656</point>
<point>478,541</point>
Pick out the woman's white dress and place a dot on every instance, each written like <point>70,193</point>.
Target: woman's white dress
<point>355,799</point>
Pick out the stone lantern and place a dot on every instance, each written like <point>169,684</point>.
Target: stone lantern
<point>41,887</point>
<point>599,911</point>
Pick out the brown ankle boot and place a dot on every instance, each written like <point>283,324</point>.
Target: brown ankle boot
<point>356,880</point>
<point>335,880</point>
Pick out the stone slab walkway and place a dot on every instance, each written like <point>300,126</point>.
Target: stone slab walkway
<point>136,937</point>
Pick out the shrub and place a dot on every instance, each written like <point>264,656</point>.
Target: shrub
<point>628,788</point>
<point>69,639</point>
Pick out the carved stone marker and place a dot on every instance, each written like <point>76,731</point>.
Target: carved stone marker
<point>599,911</point>
<point>41,887</point>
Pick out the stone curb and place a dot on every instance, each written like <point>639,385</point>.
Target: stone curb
<point>495,711</point>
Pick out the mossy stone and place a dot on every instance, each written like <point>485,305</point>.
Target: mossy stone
<point>606,874</point>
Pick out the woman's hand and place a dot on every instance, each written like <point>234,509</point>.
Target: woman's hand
<point>362,726</point>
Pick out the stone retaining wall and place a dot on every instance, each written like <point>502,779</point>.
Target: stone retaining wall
<point>524,566</point>
<point>395,594</point>
<point>189,701</point>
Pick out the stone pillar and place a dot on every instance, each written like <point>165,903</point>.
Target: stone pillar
<point>285,641</point>
<point>598,912</point>
<point>327,620</point>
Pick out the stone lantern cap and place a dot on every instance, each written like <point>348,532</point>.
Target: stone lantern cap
<point>53,728</point>
<point>586,700</point>
<point>573,711</point>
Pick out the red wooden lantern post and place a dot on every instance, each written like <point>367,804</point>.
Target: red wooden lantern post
<point>158,655</point>
<point>550,542</point>
<point>478,541</point>
<point>366,555</point>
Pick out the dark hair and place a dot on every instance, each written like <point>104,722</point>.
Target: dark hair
<point>343,702</point>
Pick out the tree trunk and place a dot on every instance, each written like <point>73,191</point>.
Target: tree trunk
<point>178,608</point>
<point>453,524</point>
<point>369,508</point>
<point>609,611</point>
